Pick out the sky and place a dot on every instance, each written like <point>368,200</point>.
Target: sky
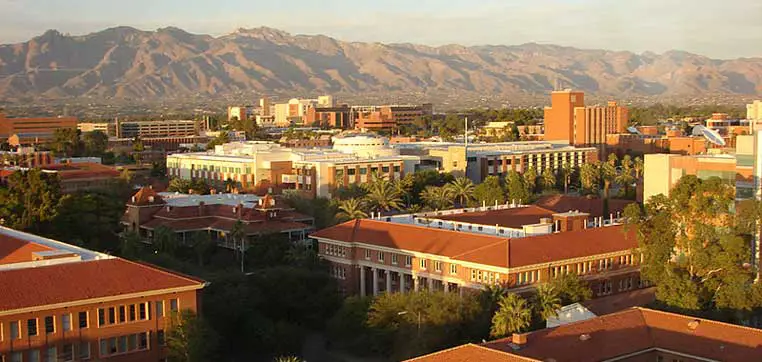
<point>720,29</point>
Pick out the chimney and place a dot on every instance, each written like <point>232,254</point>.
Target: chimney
<point>519,339</point>
<point>570,221</point>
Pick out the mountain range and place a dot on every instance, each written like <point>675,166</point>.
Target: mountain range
<point>128,63</point>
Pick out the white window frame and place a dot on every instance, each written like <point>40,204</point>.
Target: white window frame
<point>437,266</point>
<point>381,256</point>
<point>423,264</point>
<point>367,254</point>
<point>63,324</point>
<point>394,259</point>
<point>408,260</point>
<point>454,269</point>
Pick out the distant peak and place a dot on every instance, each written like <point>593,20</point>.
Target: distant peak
<point>263,32</point>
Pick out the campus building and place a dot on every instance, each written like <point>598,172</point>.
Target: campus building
<point>497,159</point>
<point>632,335</point>
<point>159,129</point>
<point>60,302</point>
<point>388,117</point>
<point>214,214</point>
<point>466,249</point>
<point>108,128</point>
<point>568,119</point>
<point>639,144</point>
<point>29,131</point>
<point>73,177</point>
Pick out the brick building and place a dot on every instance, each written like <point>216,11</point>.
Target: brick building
<point>568,119</point>
<point>60,302</point>
<point>25,131</point>
<point>388,117</point>
<point>632,335</point>
<point>459,250</point>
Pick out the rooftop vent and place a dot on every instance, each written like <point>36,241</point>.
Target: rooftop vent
<point>519,339</point>
<point>584,337</point>
<point>692,325</point>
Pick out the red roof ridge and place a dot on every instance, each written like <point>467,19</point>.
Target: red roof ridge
<point>163,270</point>
<point>682,316</point>
<point>482,247</point>
<point>472,345</point>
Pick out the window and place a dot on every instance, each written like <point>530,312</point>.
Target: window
<point>101,316</point>
<point>66,322</point>
<point>394,259</point>
<point>453,269</point>
<point>438,266</point>
<point>363,171</point>
<point>67,353</point>
<point>15,330</point>
<point>159,308</point>
<point>396,169</point>
<point>31,327</point>
<point>52,355</point>
<point>142,340</point>
<point>367,254</point>
<point>16,357</point>
<point>381,256</point>
<point>173,305</point>
<point>34,355</point>
<point>351,172</point>
<point>122,314</point>
<point>142,311</point>
<point>132,312</point>
<point>385,169</point>
<point>111,315</point>
<point>408,260</point>
<point>160,337</point>
<point>84,350</point>
<point>423,264</point>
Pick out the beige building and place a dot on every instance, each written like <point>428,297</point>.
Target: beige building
<point>754,111</point>
<point>105,127</point>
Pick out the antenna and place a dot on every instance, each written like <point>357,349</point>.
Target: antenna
<point>465,151</point>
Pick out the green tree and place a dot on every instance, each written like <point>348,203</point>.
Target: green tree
<point>546,301</point>
<point>189,338</point>
<point>288,359</point>
<point>513,315</point>
<point>230,185</point>
<point>239,239</point>
<point>589,176</point>
<point>566,174</point>
<point>548,179</point>
<point>516,188</point>
<point>437,197</point>
<point>351,209</point>
<point>165,240</point>
<point>30,200</point>
<point>695,249</point>
<point>463,189</point>
<point>203,246</point>
<point>530,180</point>
<point>402,188</point>
<point>65,142</point>
<point>95,143</point>
<point>221,139</point>
<point>490,191</point>
<point>382,195</point>
<point>571,288</point>
<point>625,177</point>
<point>137,150</point>
<point>637,166</point>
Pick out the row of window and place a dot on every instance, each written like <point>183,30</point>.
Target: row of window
<point>66,353</point>
<point>528,277</point>
<point>381,257</point>
<point>364,170</point>
<point>339,272</point>
<point>335,250</point>
<point>106,317</point>
<point>587,267</point>
<point>484,276</point>
<point>127,344</point>
<point>213,168</point>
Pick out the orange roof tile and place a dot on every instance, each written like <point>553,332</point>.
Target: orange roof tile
<point>510,218</point>
<point>144,196</point>
<point>76,281</point>
<point>621,301</point>
<point>470,353</point>
<point>14,250</point>
<point>71,171</point>
<point>480,248</point>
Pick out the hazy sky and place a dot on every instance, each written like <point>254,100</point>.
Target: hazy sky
<point>716,28</point>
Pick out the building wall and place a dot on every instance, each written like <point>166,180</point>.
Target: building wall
<point>500,165</point>
<point>661,171</point>
<point>754,111</point>
<point>559,117</point>
<point>159,129</point>
<point>94,332</point>
<point>33,130</point>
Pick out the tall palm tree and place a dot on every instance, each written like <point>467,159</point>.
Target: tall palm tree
<point>548,179</point>
<point>589,176</point>
<point>547,301</point>
<point>530,180</point>
<point>402,188</point>
<point>607,173</point>
<point>625,178</point>
<point>512,315</point>
<point>566,174</point>
<point>382,196</point>
<point>238,236</point>
<point>165,240</point>
<point>230,185</point>
<point>202,245</point>
<point>437,198</point>
<point>637,165</point>
<point>463,189</point>
<point>351,209</point>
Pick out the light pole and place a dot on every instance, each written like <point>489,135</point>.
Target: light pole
<point>419,320</point>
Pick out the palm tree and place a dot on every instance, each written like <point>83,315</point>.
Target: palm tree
<point>548,179</point>
<point>230,185</point>
<point>463,189</point>
<point>130,244</point>
<point>625,178</point>
<point>202,245</point>
<point>238,235</point>
<point>288,359</point>
<point>437,198</point>
<point>402,188</point>
<point>547,301</point>
<point>165,240</point>
<point>513,315</point>
<point>566,174</point>
<point>351,209</point>
<point>382,196</point>
<point>608,175</point>
<point>530,180</point>
<point>589,176</point>
<point>638,167</point>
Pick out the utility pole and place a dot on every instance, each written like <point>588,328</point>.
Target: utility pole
<point>465,149</point>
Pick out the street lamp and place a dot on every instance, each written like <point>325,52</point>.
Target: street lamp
<point>419,320</point>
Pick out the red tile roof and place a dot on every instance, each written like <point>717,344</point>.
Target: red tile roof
<point>590,205</point>
<point>480,248</point>
<point>14,250</point>
<point>72,171</point>
<point>621,301</point>
<point>212,223</point>
<point>470,353</point>
<point>144,196</point>
<point>638,330</point>
<point>78,281</point>
<point>510,218</point>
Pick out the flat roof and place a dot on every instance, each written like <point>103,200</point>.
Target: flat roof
<point>180,200</point>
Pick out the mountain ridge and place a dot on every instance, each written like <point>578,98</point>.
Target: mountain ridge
<point>126,62</point>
